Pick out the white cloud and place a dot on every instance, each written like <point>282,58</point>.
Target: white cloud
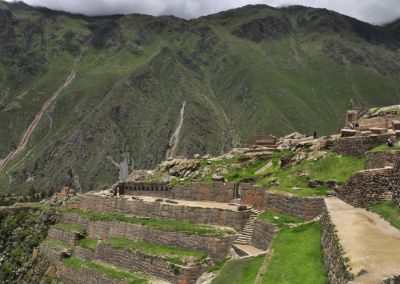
<point>374,11</point>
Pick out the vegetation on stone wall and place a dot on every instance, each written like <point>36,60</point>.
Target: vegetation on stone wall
<point>175,255</point>
<point>112,272</point>
<point>21,231</point>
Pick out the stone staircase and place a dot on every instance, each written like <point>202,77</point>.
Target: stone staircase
<point>245,235</point>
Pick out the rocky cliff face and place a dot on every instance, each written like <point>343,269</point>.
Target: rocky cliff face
<point>22,229</point>
<point>242,72</point>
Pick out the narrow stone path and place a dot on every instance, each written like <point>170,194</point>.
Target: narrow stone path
<point>370,243</point>
<point>28,132</point>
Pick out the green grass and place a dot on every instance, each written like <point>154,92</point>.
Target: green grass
<point>70,227</point>
<point>175,255</point>
<point>241,271</point>
<point>296,256</point>
<point>56,244</point>
<point>87,243</point>
<point>332,167</point>
<point>385,147</point>
<point>111,272</point>
<point>169,225</point>
<point>389,211</point>
<point>268,216</point>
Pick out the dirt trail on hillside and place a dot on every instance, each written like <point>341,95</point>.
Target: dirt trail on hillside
<point>28,132</point>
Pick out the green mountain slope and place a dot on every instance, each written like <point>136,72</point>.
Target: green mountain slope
<point>241,72</point>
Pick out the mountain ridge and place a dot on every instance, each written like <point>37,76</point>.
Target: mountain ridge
<point>240,72</point>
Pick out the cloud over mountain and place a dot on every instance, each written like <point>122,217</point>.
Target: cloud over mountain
<point>373,11</point>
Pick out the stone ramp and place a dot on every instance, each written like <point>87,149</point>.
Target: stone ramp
<point>248,250</point>
<point>370,243</point>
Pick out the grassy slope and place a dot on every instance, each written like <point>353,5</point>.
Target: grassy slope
<point>269,217</point>
<point>243,271</point>
<point>388,211</point>
<point>131,84</point>
<point>296,256</point>
<point>331,167</point>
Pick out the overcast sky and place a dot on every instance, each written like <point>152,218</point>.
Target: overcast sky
<point>373,11</point>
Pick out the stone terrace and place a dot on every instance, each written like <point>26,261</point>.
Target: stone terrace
<point>361,243</point>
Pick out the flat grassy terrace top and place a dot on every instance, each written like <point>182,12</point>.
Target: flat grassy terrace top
<point>129,277</point>
<point>70,227</point>
<point>385,147</point>
<point>168,225</point>
<point>60,245</point>
<point>175,255</point>
<point>282,219</point>
<point>87,243</point>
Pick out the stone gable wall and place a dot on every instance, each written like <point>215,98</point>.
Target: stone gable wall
<point>216,247</point>
<point>148,264</point>
<point>215,216</point>
<point>263,234</point>
<point>333,258</point>
<point>359,145</point>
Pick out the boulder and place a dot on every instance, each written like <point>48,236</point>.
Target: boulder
<point>331,183</point>
<point>218,178</point>
<point>313,183</point>
<point>196,156</point>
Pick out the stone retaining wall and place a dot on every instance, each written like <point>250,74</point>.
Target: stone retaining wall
<point>84,253</point>
<point>215,216</point>
<point>359,145</point>
<point>263,234</point>
<point>148,264</point>
<point>68,237</point>
<point>84,275</point>
<point>306,208</point>
<point>376,160</point>
<point>333,258</point>
<point>216,247</point>
<point>367,187</point>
